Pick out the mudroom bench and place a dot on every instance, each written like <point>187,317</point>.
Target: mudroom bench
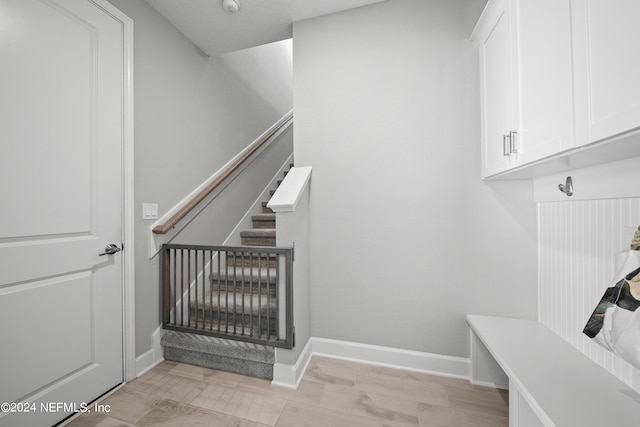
<point>550,382</point>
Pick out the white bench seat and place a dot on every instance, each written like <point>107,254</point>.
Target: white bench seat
<point>551,383</point>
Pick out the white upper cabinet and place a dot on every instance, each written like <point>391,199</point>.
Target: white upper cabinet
<point>498,85</point>
<point>546,104</point>
<point>559,85</point>
<point>525,82</point>
<point>606,68</point>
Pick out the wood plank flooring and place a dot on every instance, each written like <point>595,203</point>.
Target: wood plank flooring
<point>333,393</point>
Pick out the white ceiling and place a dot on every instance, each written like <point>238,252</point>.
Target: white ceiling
<point>216,31</point>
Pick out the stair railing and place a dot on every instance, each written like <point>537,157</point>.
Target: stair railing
<point>239,293</point>
<point>265,138</point>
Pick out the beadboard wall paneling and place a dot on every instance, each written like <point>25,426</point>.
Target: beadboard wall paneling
<point>578,243</point>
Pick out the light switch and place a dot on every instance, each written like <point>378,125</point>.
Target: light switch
<point>149,211</point>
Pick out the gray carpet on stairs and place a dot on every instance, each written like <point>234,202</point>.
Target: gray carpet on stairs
<point>215,353</point>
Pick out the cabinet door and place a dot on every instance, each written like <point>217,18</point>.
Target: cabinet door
<point>607,68</point>
<point>498,85</point>
<point>544,58</point>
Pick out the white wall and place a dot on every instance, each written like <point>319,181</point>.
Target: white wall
<point>405,239</point>
<point>192,115</point>
<point>580,239</point>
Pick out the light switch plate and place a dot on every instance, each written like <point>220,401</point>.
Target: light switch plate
<point>149,211</point>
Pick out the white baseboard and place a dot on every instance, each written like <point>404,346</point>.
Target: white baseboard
<point>409,360</point>
<point>489,384</point>
<point>289,376</point>
<point>147,360</point>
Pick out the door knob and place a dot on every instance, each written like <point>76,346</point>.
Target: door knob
<point>110,249</point>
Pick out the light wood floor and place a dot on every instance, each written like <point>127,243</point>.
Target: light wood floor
<point>333,393</point>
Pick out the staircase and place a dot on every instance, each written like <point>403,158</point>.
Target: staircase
<point>245,310</point>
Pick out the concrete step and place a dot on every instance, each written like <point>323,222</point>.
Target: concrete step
<point>259,237</point>
<point>264,220</point>
<point>216,353</point>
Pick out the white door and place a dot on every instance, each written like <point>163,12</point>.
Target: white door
<point>61,136</point>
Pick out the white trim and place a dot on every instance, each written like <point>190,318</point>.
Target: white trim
<point>128,201</point>
<point>489,15</point>
<point>147,360</point>
<point>488,384</point>
<point>156,240</point>
<point>408,360</point>
<point>129,308</point>
<point>288,195</point>
<point>538,265</point>
<point>289,376</point>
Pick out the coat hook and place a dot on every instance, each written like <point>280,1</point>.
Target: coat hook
<point>567,188</point>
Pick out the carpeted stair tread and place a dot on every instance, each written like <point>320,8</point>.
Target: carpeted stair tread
<point>249,259</point>
<point>251,300</point>
<point>264,217</point>
<point>216,353</point>
<point>248,351</point>
<point>264,220</point>
<point>259,232</point>
<point>246,274</point>
<point>259,237</point>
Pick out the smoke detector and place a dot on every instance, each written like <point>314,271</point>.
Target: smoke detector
<point>231,6</point>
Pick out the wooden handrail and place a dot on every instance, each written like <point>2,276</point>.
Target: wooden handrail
<point>255,146</point>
